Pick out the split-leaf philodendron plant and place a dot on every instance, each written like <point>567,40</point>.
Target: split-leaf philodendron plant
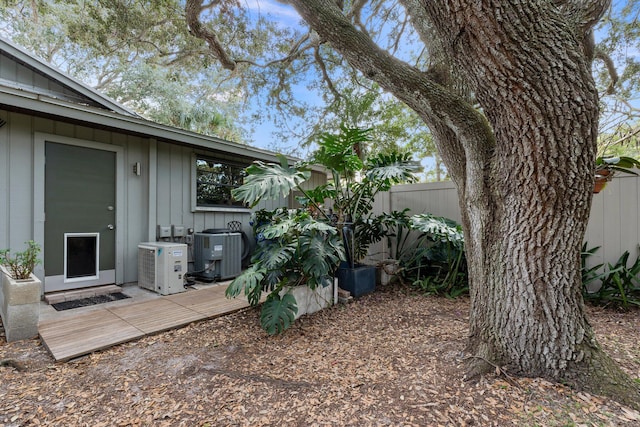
<point>305,246</point>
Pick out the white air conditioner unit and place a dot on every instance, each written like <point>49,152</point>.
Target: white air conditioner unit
<point>217,256</point>
<point>161,267</point>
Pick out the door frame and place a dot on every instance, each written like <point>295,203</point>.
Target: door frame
<point>40,139</point>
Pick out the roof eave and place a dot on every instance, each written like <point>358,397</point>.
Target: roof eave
<point>35,63</point>
<point>12,99</point>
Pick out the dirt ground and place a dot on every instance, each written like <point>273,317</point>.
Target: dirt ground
<point>390,358</point>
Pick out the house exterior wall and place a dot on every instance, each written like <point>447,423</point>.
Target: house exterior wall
<point>160,195</point>
<point>16,73</point>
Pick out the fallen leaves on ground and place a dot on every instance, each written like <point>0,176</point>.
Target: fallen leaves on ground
<point>390,358</point>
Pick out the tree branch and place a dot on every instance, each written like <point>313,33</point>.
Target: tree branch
<point>611,68</point>
<point>429,99</point>
<point>583,13</point>
<point>355,14</point>
<point>325,74</point>
<point>193,9</point>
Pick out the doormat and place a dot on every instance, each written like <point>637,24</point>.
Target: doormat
<point>85,302</point>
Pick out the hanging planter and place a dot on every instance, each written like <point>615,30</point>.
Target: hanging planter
<point>602,178</point>
<point>606,167</point>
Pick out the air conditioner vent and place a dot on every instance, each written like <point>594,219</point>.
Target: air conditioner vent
<point>217,256</point>
<point>161,267</point>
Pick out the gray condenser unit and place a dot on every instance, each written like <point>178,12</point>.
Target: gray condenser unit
<point>217,256</point>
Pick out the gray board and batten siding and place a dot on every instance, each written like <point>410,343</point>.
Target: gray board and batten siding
<point>162,194</point>
<point>22,71</point>
<point>39,110</point>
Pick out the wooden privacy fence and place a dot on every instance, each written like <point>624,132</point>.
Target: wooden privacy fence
<point>614,224</point>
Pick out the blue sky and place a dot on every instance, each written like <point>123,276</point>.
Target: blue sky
<point>262,134</point>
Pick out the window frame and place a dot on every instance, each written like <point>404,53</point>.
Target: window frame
<point>194,182</point>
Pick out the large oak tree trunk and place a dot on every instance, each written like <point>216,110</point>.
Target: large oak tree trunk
<point>524,174</point>
<point>524,238</point>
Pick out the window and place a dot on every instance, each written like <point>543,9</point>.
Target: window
<point>214,181</point>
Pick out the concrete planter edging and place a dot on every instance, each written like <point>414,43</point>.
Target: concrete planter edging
<point>309,301</point>
<point>19,306</point>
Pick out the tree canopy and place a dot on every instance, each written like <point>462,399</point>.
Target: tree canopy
<point>145,55</point>
<point>139,53</point>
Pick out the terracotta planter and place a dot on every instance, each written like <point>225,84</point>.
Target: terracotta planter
<point>602,177</point>
<point>599,185</point>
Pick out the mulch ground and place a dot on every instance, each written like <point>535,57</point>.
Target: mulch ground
<point>390,358</point>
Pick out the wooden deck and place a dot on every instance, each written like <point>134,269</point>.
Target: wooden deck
<point>85,333</point>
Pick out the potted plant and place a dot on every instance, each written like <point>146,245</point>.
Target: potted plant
<point>607,166</point>
<point>305,246</point>
<point>20,292</point>
<point>396,227</point>
<point>352,190</point>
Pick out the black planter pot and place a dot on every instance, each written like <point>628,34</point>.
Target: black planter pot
<point>359,280</point>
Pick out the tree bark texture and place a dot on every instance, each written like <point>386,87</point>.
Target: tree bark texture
<point>524,168</point>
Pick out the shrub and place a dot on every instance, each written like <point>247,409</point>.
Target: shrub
<point>293,249</point>
<point>21,265</point>
<point>619,284</point>
<point>434,261</point>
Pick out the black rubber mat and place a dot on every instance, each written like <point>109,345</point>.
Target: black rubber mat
<point>85,302</point>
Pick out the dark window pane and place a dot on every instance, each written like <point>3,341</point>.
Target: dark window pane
<point>215,180</point>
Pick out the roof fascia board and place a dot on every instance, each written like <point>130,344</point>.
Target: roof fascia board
<point>66,111</point>
<point>28,59</point>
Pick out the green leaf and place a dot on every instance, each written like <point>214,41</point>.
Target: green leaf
<point>320,255</point>
<point>274,256</point>
<point>278,313</point>
<point>389,169</point>
<point>341,152</point>
<point>278,229</point>
<point>322,192</point>
<point>439,228</point>
<point>250,280</point>
<point>270,181</point>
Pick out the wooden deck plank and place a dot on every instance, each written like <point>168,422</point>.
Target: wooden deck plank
<point>218,308</point>
<point>85,333</point>
<point>156,315</point>
<point>210,302</point>
<point>190,298</point>
<point>73,336</point>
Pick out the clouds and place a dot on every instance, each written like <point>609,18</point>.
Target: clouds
<point>278,10</point>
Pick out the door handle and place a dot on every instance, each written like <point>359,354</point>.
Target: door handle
<point>110,227</point>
